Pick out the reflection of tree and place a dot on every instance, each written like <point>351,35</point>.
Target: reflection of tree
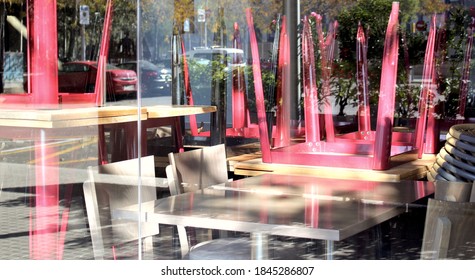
<point>157,19</point>
<point>220,34</point>
<point>69,28</point>
<point>183,9</point>
<point>157,16</point>
<point>373,15</point>
<point>429,7</point>
<point>327,8</point>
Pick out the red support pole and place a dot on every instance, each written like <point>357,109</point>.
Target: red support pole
<point>387,93</point>
<point>44,91</point>
<point>188,91</point>
<point>312,125</point>
<point>364,114</point>
<point>326,50</point>
<point>43,49</point>
<point>100,87</point>
<point>239,102</point>
<point>428,87</point>
<point>46,219</point>
<point>432,138</point>
<point>261,113</point>
<point>282,127</point>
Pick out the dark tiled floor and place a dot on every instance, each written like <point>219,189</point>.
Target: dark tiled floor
<point>400,238</point>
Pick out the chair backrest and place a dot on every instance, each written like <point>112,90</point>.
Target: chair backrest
<point>196,169</point>
<point>115,185</point>
<point>192,170</point>
<point>453,191</point>
<point>449,230</point>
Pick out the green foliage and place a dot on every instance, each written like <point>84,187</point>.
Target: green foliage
<point>199,73</point>
<point>203,75</point>
<point>416,47</point>
<point>407,98</point>
<point>343,85</point>
<point>451,58</point>
<point>268,85</point>
<point>374,16</point>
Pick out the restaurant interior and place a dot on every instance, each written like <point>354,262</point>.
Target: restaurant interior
<point>237,130</point>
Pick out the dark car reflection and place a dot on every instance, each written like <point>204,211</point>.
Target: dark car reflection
<point>155,79</point>
<point>80,77</point>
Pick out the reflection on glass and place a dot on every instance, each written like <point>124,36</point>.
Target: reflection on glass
<point>54,126</point>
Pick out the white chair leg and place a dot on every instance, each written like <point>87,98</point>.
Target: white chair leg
<point>183,237</point>
<point>147,247</point>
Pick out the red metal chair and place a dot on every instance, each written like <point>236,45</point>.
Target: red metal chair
<point>376,150</point>
<point>42,61</point>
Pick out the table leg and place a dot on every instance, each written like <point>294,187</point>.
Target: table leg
<point>329,249</point>
<point>103,157</point>
<point>117,143</point>
<point>260,246</point>
<point>178,134</point>
<point>124,141</point>
<point>44,244</point>
<point>132,140</point>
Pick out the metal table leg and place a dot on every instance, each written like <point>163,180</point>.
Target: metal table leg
<point>260,246</point>
<point>329,249</point>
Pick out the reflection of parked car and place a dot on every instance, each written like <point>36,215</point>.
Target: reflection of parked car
<point>205,56</point>
<point>154,79</point>
<point>165,66</point>
<point>80,77</point>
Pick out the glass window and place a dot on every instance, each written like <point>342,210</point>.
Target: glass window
<point>298,86</point>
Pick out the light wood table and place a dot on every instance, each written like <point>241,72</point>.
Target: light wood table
<point>70,117</point>
<point>413,170</point>
<point>75,117</point>
<point>165,111</point>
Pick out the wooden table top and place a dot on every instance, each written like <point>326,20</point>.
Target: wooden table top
<point>70,117</point>
<point>413,170</point>
<point>164,111</point>
<point>76,117</point>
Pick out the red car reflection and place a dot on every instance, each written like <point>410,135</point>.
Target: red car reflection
<point>80,77</point>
